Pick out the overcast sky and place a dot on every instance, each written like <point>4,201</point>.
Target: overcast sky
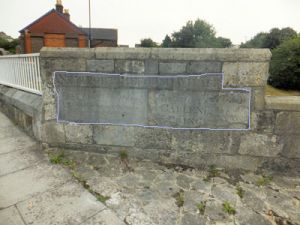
<point>238,20</point>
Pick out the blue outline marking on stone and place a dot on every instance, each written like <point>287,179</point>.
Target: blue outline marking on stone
<point>152,76</point>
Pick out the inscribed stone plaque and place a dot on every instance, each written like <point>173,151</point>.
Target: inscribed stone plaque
<point>177,102</point>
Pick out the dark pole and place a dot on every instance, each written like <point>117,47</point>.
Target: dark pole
<point>90,39</point>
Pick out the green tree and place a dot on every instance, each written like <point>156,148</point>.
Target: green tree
<point>224,42</point>
<point>198,34</point>
<point>195,34</point>
<point>148,43</point>
<point>256,42</point>
<point>271,39</point>
<point>167,42</point>
<point>9,45</point>
<point>277,36</point>
<point>285,65</point>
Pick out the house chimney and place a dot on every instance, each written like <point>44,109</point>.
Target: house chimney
<point>67,14</point>
<point>59,7</point>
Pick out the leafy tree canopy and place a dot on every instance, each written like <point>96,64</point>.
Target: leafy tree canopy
<point>198,34</point>
<point>270,40</point>
<point>285,65</point>
<point>9,45</point>
<point>256,42</point>
<point>148,43</point>
<point>167,42</point>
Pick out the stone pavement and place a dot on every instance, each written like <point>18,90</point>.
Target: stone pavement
<point>33,191</point>
<point>146,193</point>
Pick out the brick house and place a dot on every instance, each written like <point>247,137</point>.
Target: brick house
<point>54,29</point>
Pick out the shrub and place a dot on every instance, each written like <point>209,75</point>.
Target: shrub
<point>285,65</point>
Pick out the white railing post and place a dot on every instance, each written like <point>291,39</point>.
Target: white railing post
<point>21,72</point>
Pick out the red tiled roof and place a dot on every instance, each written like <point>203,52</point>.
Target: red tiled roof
<point>53,22</point>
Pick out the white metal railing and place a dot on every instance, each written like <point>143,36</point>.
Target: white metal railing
<point>22,72</point>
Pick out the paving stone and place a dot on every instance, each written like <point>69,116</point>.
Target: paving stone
<point>254,197</point>
<point>283,205</point>
<point>18,160</point>
<point>213,211</point>
<point>10,216</point>
<point>11,132</point>
<point>136,217</point>
<point>201,186</point>
<point>68,204</point>
<point>225,193</point>
<point>33,180</point>
<point>190,219</point>
<point>145,195</point>
<point>105,217</point>
<point>245,216</point>
<point>184,181</point>
<point>191,199</point>
<point>169,209</point>
<point>15,143</point>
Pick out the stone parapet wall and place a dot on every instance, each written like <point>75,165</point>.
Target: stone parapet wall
<point>23,108</point>
<point>270,143</point>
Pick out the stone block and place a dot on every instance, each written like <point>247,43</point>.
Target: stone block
<point>37,125</point>
<point>48,96</point>
<point>152,138</point>
<point>287,123</point>
<point>209,142</point>
<point>201,83</point>
<point>49,112</point>
<point>263,121</point>
<point>67,64</point>
<point>129,66</point>
<point>172,68</point>
<point>286,103</point>
<point>107,66</point>
<point>200,67</point>
<point>258,98</point>
<point>116,135</point>
<point>254,144</point>
<point>53,133</point>
<point>203,161</point>
<point>123,53</point>
<point>67,53</point>
<point>151,67</point>
<point>245,74</point>
<point>291,146</point>
<point>82,134</point>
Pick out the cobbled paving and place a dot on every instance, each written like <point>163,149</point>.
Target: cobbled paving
<point>145,193</point>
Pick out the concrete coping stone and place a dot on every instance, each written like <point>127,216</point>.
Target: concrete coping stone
<point>288,103</point>
<point>25,101</point>
<point>184,54</point>
<point>86,53</point>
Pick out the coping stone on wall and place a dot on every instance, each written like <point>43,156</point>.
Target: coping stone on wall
<point>195,54</point>
<point>27,102</point>
<point>286,103</point>
<point>67,53</point>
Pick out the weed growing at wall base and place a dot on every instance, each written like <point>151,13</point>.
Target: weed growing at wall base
<point>201,207</point>
<point>228,208</point>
